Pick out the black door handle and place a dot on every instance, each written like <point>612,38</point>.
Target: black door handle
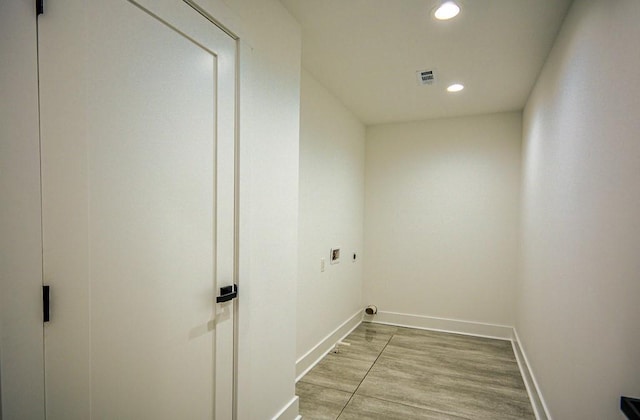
<point>46,316</point>
<point>227,293</point>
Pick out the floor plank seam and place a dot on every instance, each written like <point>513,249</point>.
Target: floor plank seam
<point>365,376</point>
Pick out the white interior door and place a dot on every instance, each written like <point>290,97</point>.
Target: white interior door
<point>21,357</point>
<point>138,138</point>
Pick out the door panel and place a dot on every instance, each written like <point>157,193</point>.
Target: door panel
<point>21,358</point>
<point>151,181</point>
<point>157,170</point>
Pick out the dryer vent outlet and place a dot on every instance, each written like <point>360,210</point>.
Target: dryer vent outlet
<point>371,310</point>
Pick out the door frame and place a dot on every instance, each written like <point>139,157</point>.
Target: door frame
<point>236,182</point>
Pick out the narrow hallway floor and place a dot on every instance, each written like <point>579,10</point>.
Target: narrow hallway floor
<point>399,373</point>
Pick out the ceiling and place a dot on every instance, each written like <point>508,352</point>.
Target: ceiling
<point>367,52</point>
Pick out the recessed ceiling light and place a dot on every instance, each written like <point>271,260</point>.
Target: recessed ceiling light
<point>447,10</point>
<point>456,87</point>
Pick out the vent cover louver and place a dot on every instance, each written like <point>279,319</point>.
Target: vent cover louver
<point>425,77</point>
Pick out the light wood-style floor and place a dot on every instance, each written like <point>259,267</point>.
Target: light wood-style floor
<point>402,373</point>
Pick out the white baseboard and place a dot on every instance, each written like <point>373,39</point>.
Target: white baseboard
<point>290,411</point>
<point>313,356</point>
<point>537,401</point>
<point>478,329</point>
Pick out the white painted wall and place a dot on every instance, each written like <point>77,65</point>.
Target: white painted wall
<point>331,214</point>
<point>21,359</point>
<point>578,313</point>
<point>441,217</point>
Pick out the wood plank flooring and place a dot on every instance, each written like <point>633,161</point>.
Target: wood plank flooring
<point>401,373</point>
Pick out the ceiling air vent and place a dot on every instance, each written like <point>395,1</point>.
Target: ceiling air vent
<point>425,77</point>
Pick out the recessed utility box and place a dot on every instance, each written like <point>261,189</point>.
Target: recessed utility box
<point>335,256</point>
